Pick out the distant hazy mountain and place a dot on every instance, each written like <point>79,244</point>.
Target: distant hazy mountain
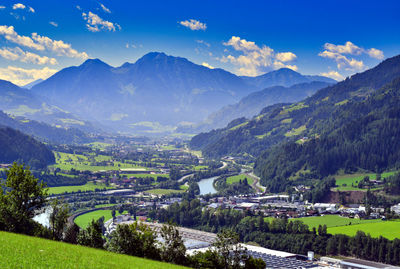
<point>157,88</point>
<point>252,104</point>
<point>156,93</point>
<point>283,77</point>
<point>33,83</point>
<point>44,132</point>
<point>22,102</point>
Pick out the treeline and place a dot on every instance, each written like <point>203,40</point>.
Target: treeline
<point>16,146</point>
<point>281,234</point>
<point>358,135</point>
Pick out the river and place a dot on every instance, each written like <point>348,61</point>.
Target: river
<point>206,186</point>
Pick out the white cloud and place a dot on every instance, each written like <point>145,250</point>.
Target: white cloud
<point>207,65</point>
<point>53,23</point>
<point>78,8</point>
<point>203,42</point>
<point>17,54</point>
<point>333,74</point>
<point>22,76</point>
<point>41,43</point>
<point>95,23</point>
<point>375,53</point>
<point>19,6</point>
<point>9,33</point>
<point>285,56</point>
<point>31,10</point>
<point>104,8</point>
<point>58,47</point>
<point>336,52</point>
<point>193,24</point>
<point>342,61</point>
<point>255,60</point>
<point>347,48</point>
<point>2,7</point>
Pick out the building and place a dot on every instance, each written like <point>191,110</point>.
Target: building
<point>363,264</point>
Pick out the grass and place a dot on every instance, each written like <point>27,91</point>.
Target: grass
<point>21,251</point>
<point>296,131</point>
<point>289,120</point>
<point>104,205</point>
<point>238,126</point>
<point>184,187</point>
<point>87,187</point>
<point>67,161</point>
<point>237,178</point>
<point>164,191</point>
<point>145,175</point>
<point>345,182</point>
<point>84,220</point>
<point>333,221</point>
<point>342,102</point>
<point>388,229</point>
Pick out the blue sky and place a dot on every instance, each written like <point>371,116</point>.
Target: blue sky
<point>333,38</point>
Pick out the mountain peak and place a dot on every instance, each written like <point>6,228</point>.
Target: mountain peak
<point>94,62</point>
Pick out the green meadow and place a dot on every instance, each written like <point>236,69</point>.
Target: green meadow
<point>237,178</point>
<point>90,186</point>
<point>346,182</point>
<point>164,191</point>
<point>21,251</point>
<point>387,229</point>
<point>84,220</point>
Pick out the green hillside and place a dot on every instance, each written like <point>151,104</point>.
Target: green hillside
<point>288,122</point>
<point>20,251</point>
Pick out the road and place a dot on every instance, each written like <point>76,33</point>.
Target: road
<point>256,184</point>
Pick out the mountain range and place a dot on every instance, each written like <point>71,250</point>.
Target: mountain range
<point>157,93</point>
<point>252,104</point>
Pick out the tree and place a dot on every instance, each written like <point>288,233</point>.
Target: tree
<point>91,236</point>
<point>58,219</point>
<point>172,250</point>
<point>113,213</point>
<point>21,195</point>
<point>135,239</point>
<point>230,252</point>
<point>71,234</point>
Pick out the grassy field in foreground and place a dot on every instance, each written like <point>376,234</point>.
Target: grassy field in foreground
<point>87,187</point>
<point>163,191</point>
<point>333,221</point>
<point>20,251</point>
<point>345,182</point>
<point>237,178</point>
<point>388,229</point>
<point>83,220</point>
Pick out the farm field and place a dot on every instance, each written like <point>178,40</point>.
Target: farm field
<point>163,191</point>
<point>67,161</point>
<point>84,220</point>
<point>387,229</point>
<point>87,187</point>
<point>145,175</point>
<point>237,178</point>
<point>21,251</point>
<point>345,182</point>
<point>333,221</point>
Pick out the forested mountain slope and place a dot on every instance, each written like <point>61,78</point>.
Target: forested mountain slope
<point>16,146</point>
<point>45,132</point>
<point>358,135</point>
<point>287,122</point>
<point>253,103</point>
